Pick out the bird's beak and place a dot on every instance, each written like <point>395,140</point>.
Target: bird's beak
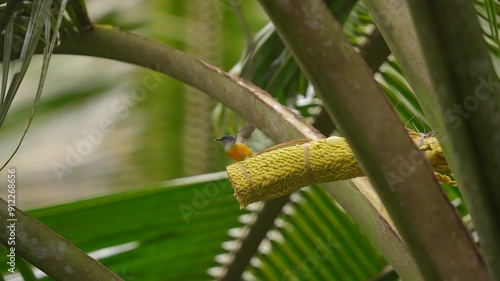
<point>219,139</point>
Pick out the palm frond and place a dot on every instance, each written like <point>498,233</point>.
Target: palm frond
<point>44,25</point>
<point>312,239</point>
<point>171,229</point>
<point>488,12</point>
<point>39,14</point>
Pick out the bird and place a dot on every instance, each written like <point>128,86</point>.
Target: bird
<point>235,147</point>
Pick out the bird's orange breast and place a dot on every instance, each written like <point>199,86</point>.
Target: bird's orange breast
<point>239,152</point>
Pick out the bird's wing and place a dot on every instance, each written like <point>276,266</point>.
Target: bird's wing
<point>245,133</point>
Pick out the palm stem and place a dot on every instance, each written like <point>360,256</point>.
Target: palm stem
<point>344,82</point>
<point>256,106</point>
<point>48,251</point>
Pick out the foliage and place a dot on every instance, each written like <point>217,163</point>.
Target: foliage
<point>191,228</point>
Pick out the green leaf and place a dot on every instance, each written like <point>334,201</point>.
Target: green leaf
<point>315,239</point>
<point>39,14</point>
<point>172,229</point>
<point>51,41</point>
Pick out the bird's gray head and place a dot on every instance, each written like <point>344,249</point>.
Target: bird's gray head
<point>228,141</point>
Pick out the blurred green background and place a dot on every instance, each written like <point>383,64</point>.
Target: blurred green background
<point>164,134</point>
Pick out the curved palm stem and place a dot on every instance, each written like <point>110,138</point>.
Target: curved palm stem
<point>448,66</point>
<point>377,138</point>
<point>253,104</point>
<point>60,259</point>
